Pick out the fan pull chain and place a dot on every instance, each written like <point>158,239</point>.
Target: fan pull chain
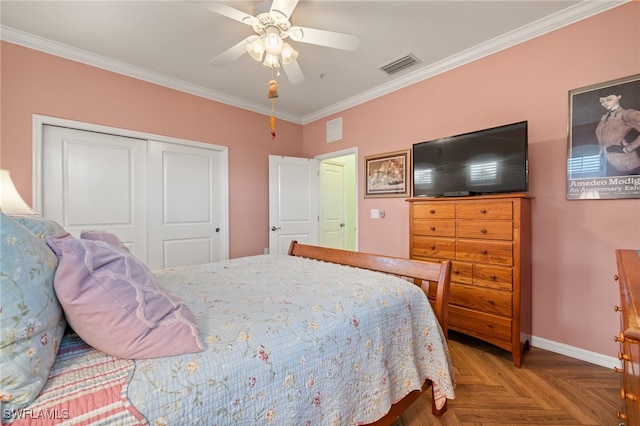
<point>273,94</point>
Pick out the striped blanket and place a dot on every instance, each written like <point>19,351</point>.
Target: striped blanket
<point>85,386</point>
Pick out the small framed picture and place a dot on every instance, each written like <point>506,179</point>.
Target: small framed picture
<point>387,175</point>
<point>603,158</point>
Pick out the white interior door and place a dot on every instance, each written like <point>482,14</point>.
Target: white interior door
<point>332,205</point>
<point>293,202</point>
<point>96,181</point>
<point>185,220</point>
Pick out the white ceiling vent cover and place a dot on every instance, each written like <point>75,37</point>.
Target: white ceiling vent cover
<point>400,64</point>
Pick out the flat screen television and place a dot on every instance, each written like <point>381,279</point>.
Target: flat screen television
<point>487,161</point>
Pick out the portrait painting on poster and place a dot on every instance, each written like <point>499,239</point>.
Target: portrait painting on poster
<point>387,175</point>
<point>603,158</point>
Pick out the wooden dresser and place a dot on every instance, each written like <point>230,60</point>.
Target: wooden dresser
<point>628,278</point>
<point>488,240</point>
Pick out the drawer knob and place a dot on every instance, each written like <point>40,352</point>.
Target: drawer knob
<point>432,211</point>
<point>432,247</point>
<point>617,309</point>
<point>619,338</point>
<point>433,228</point>
<point>493,277</point>
<point>456,271</point>
<point>627,395</point>
<point>621,416</point>
<point>484,231</point>
<point>622,356</point>
<point>483,211</point>
<point>483,251</point>
<point>490,325</point>
<point>618,370</point>
<point>491,302</point>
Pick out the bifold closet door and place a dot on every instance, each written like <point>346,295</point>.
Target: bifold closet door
<point>94,180</point>
<point>185,208</point>
<point>165,201</point>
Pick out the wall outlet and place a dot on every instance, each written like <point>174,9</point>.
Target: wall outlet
<point>375,214</point>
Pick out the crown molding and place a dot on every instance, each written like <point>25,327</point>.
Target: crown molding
<point>578,12</point>
<point>31,41</point>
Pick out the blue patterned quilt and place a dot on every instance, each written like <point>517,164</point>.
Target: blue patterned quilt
<point>293,341</point>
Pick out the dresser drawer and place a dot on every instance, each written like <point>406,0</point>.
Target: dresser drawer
<point>495,252</point>
<point>435,228</point>
<point>462,272</point>
<point>485,229</point>
<point>434,211</point>
<point>441,248</point>
<point>502,210</point>
<point>484,300</point>
<point>481,325</point>
<point>498,277</point>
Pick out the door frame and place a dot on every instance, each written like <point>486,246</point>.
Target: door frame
<point>39,121</point>
<point>348,151</point>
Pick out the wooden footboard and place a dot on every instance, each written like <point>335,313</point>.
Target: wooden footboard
<point>418,272</point>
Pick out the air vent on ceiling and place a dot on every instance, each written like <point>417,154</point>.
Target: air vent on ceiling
<point>400,64</point>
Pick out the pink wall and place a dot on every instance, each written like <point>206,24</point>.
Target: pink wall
<point>573,242</point>
<point>37,83</point>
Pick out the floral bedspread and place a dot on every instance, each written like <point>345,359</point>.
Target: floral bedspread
<point>292,341</point>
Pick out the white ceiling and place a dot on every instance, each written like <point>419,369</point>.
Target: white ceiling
<point>171,43</point>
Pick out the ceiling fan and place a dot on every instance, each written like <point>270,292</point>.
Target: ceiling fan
<point>272,28</point>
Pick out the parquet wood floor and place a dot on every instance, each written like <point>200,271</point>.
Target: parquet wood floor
<point>549,389</point>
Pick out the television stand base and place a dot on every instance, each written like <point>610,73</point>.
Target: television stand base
<point>459,193</point>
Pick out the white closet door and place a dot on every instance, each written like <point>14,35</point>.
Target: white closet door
<point>96,181</point>
<point>185,213</point>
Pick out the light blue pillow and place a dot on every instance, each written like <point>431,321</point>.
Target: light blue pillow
<point>32,322</point>
<point>39,225</point>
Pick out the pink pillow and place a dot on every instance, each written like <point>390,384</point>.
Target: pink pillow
<point>114,304</point>
<point>105,236</point>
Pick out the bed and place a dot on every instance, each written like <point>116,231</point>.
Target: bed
<point>318,336</point>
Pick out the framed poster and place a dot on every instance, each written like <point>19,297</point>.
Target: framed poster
<point>603,158</point>
<point>387,175</point>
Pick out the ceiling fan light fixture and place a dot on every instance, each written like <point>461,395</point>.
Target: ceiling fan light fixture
<point>272,41</point>
<point>256,49</point>
<point>289,54</point>
<point>271,61</point>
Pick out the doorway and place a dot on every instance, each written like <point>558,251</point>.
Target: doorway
<point>338,195</point>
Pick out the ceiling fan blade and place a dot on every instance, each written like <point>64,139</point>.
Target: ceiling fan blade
<point>294,72</point>
<point>324,38</point>
<point>228,11</point>
<point>232,53</point>
<point>284,7</point>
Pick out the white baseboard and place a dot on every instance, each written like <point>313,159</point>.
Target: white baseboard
<point>573,352</point>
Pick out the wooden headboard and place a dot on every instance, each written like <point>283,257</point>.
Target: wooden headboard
<point>415,270</point>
